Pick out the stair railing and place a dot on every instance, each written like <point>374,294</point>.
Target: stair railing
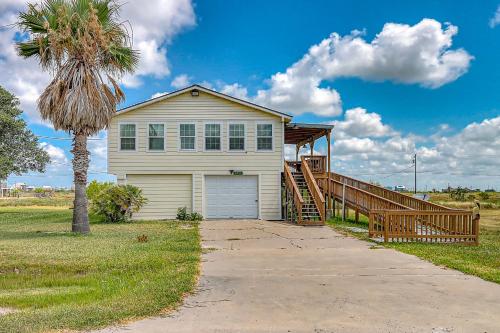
<point>318,198</point>
<point>291,185</point>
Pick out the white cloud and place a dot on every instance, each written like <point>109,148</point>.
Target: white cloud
<point>235,90</point>
<point>401,53</point>
<point>154,24</point>
<point>358,122</point>
<point>495,20</point>
<point>56,154</point>
<point>21,77</point>
<point>181,81</point>
<point>158,94</point>
<point>418,54</point>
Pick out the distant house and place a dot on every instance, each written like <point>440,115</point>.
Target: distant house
<point>212,153</point>
<point>4,189</point>
<point>20,186</point>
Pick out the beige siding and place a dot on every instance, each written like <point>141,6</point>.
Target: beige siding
<point>199,110</point>
<point>165,193</point>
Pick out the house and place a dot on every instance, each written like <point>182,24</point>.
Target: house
<point>4,189</point>
<point>212,153</point>
<point>20,186</point>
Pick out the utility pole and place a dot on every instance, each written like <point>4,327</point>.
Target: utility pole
<point>415,165</point>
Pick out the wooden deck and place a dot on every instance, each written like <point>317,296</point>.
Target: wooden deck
<point>392,216</point>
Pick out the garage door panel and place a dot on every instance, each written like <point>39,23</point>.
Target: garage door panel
<point>231,196</point>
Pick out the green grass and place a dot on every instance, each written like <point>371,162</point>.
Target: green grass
<point>58,281</point>
<point>482,260</point>
<point>57,200</point>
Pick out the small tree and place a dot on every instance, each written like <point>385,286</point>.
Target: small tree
<point>117,203</point>
<point>19,148</point>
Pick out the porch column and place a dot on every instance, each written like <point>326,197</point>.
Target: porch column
<point>311,144</point>
<point>297,148</point>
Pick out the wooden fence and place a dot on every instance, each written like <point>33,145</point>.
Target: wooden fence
<point>424,226</point>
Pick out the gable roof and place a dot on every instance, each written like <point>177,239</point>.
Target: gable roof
<point>205,90</point>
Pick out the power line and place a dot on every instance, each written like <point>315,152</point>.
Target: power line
<point>66,139</point>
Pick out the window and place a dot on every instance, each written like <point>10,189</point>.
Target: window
<point>156,136</point>
<point>264,136</point>
<point>236,137</point>
<point>187,133</point>
<point>212,137</point>
<point>127,137</point>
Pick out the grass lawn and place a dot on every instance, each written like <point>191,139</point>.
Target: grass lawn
<point>482,260</point>
<point>59,281</point>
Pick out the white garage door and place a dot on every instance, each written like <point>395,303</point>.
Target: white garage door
<point>231,197</point>
<point>165,193</point>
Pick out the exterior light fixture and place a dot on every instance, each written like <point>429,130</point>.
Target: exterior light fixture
<point>195,92</point>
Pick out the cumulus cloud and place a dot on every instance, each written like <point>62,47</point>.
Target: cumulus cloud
<point>360,123</point>
<point>154,23</point>
<point>181,81</point>
<point>409,54</point>
<point>235,90</point>
<point>495,20</point>
<point>56,154</point>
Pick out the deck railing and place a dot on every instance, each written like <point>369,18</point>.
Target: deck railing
<point>318,198</point>
<point>291,186</point>
<point>402,199</point>
<point>317,163</point>
<point>424,226</point>
<point>356,198</point>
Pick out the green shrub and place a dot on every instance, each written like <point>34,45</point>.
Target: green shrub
<point>195,216</point>
<point>95,187</point>
<point>484,196</point>
<point>117,203</point>
<point>183,215</point>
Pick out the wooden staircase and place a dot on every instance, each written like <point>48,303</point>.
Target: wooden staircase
<point>310,212</point>
<point>303,201</point>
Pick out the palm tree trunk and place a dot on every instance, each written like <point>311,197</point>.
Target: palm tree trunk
<point>80,168</point>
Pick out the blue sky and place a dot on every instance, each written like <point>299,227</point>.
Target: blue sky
<point>430,84</point>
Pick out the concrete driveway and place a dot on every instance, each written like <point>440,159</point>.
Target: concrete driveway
<point>275,277</point>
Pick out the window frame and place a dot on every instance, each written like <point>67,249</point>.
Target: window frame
<point>220,136</point>
<point>257,137</point>
<point>120,137</point>
<point>229,136</point>
<point>179,141</point>
<point>164,137</point>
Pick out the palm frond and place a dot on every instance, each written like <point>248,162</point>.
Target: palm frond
<point>79,41</point>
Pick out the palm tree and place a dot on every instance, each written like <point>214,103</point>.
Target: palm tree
<point>85,46</point>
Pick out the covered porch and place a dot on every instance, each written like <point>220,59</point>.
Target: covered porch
<point>304,201</point>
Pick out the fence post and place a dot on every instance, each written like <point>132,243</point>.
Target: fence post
<point>343,201</point>
<point>386,227</point>
<point>370,224</point>
<point>475,225</point>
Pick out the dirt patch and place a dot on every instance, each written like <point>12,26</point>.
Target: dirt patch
<point>6,311</point>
